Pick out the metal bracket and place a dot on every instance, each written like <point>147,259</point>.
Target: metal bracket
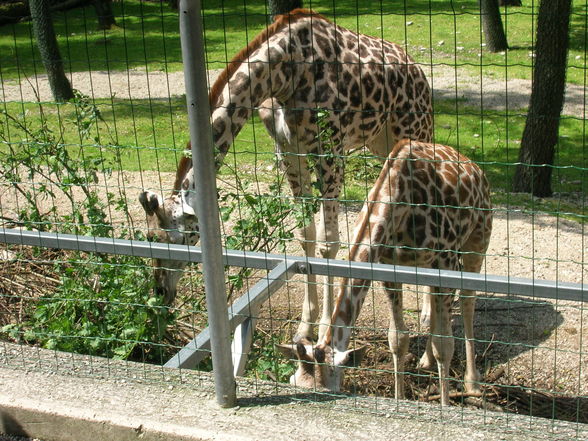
<point>243,315</point>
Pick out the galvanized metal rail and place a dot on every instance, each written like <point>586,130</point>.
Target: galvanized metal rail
<point>243,312</point>
<point>535,288</point>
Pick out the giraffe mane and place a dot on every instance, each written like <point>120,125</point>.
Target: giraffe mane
<point>279,23</point>
<point>184,166</point>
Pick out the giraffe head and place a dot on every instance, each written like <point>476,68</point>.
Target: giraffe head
<point>320,366</point>
<point>170,220</point>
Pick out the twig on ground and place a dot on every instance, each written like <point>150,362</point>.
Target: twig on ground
<point>455,395</point>
<point>495,375</point>
<point>488,346</point>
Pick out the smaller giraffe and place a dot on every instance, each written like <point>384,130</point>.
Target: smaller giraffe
<point>430,207</point>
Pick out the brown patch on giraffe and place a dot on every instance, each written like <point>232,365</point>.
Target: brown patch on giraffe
<point>279,23</point>
<point>450,178</point>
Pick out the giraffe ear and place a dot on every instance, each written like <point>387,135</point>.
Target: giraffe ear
<point>150,202</point>
<point>187,209</point>
<point>351,357</point>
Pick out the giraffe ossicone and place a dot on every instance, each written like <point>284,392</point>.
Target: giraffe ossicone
<point>430,207</point>
<point>375,95</point>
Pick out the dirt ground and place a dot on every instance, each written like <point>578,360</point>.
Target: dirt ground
<point>138,83</point>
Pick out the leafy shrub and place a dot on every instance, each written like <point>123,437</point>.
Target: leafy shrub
<point>102,304</point>
<point>265,362</point>
<point>102,307</point>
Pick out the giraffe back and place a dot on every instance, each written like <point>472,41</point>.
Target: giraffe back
<point>429,204</point>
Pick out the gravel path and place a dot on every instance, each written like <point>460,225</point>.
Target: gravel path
<point>139,84</point>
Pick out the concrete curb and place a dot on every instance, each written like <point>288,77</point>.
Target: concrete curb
<point>28,418</point>
<point>57,396</point>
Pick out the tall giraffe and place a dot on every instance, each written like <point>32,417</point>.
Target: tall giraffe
<point>430,207</point>
<point>374,93</point>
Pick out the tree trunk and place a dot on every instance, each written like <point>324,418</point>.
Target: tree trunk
<point>533,174</point>
<point>278,7</point>
<point>47,43</point>
<point>104,13</point>
<point>492,25</point>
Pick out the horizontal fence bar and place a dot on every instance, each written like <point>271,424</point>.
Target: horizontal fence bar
<point>536,288</point>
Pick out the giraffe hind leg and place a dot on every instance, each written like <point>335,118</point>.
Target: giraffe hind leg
<point>397,336</point>
<point>442,343</point>
<point>472,262</point>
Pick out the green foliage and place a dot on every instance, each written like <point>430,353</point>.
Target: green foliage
<point>40,164</point>
<point>103,304</point>
<point>102,307</point>
<point>261,221</point>
<point>265,362</point>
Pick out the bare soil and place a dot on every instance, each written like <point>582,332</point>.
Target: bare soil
<point>138,83</point>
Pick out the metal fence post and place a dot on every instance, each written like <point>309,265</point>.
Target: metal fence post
<point>191,34</point>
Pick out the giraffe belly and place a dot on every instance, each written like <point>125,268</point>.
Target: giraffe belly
<point>408,256</point>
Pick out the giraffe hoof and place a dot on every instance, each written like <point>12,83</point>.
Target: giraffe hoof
<point>427,364</point>
<point>473,388</point>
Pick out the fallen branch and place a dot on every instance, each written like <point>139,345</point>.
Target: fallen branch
<point>455,395</point>
<point>495,375</point>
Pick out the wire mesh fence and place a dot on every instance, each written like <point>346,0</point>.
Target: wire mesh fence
<point>78,168</point>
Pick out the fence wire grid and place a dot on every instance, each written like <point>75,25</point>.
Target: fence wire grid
<point>78,167</point>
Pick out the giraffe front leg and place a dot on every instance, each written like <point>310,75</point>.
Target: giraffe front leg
<point>296,168</point>
<point>427,361</point>
<point>310,304</point>
<point>426,311</point>
<point>328,246</point>
<point>397,336</point>
<point>472,262</point>
<point>442,342</point>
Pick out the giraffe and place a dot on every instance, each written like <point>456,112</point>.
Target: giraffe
<point>375,95</point>
<point>430,207</point>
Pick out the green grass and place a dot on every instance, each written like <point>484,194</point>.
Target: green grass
<point>493,139</point>
<point>142,135</point>
<point>433,31</point>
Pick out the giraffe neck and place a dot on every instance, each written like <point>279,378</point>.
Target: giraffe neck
<point>265,68</point>
<point>350,297</point>
<point>369,234</point>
